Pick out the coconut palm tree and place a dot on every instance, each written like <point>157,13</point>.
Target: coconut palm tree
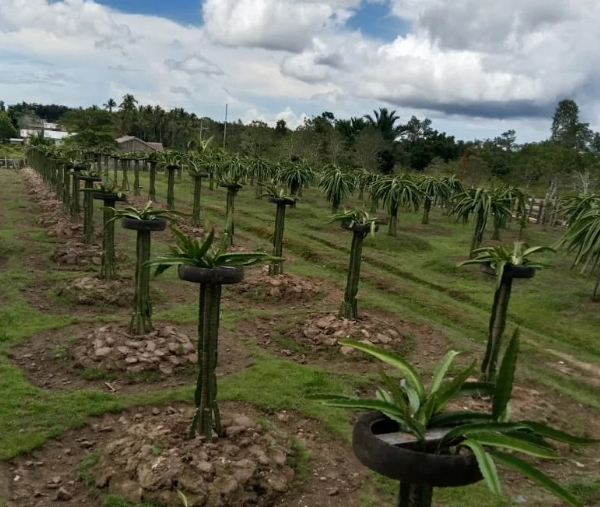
<point>397,192</point>
<point>110,105</point>
<point>434,190</point>
<point>337,185</point>
<point>385,121</point>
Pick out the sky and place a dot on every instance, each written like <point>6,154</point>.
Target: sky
<point>475,68</point>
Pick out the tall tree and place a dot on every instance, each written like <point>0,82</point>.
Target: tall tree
<point>7,129</point>
<point>567,130</point>
<point>128,112</point>
<point>385,121</point>
<point>110,105</point>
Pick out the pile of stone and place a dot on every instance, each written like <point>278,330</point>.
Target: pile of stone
<point>75,253</point>
<point>323,331</point>
<point>279,287</point>
<point>94,291</point>
<point>112,348</point>
<point>154,460</point>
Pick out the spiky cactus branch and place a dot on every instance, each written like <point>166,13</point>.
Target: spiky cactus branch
<point>108,269</point>
<point>141,318</point>
<point>231,193</point>
<point>88,213</point>
<point>496,328</point>
<point>349,308</point>
<point>152,184</point>
<point>171,187</point>
<point>207,416</point>
<point>125,181</point>
<point>276,267</point>
<point>136,177</point>
<point>196,211</point>
<point>75,206</point>
<point>415,495</point>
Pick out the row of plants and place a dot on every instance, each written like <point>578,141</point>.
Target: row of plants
<point>446,448</point>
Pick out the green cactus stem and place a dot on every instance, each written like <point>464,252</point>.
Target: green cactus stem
<point>141,318</point>
<point>276,267</point>
<point>125,181</point>
<point>108,269</point>
<point>75,205</point>
<point>349,307</point>
<point>171,187</point>
<point>136,178</point>
<point>152,185</point>
<point>196,210</point>
<point>207,416</point>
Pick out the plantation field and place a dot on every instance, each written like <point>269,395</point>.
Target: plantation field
<point>412,281</point>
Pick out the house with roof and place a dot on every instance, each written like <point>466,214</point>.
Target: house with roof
<point>131,144</point>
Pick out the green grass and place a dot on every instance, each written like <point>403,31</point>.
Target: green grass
<point>413,276</point>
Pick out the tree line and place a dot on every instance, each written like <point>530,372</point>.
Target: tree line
<point>377,142</point>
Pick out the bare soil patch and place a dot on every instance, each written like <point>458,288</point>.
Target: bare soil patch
<point>75,357</point>
<point>143,453</point>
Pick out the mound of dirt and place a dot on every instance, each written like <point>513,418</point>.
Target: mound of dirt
<point>325,331</point>
<point>75,253</point>
<point>93,291</point>
<point>112,348</point>
<point>154,460</point>
<point>279,287</point>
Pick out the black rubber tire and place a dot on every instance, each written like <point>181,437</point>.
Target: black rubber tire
<point>365,229</point>
<point>201,175</point>
<point>409,465</point>
<point>101,196</point>
<point>89,178</point>
<point>510,271</point>
<point>215,276</point>
<point>155,225</point>
<point>282,200</point>
<point>235,186</point>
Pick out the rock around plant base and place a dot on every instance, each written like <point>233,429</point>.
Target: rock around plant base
<point>151,460</point>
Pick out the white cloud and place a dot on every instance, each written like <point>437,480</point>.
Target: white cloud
<point>462,57</point>
<point>273,24</point>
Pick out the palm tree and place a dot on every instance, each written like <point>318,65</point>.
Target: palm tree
<point>337,185</point>
<point>396,192</point>
<point>385,121</point>
<point>128,112</point>
<point>434,190</point>
<point>110,105</point>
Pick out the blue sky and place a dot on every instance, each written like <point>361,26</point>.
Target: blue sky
<point>182,11</point>
<point>476,69</point>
